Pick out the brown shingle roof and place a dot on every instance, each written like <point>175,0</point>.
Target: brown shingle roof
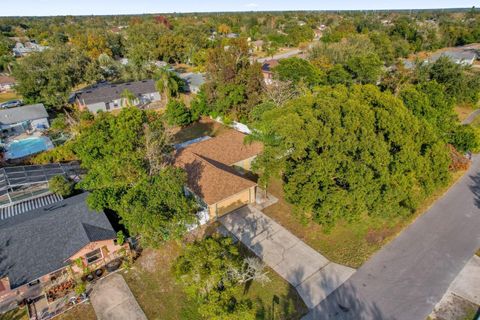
<point>228,148</point>
<point>208,166</point>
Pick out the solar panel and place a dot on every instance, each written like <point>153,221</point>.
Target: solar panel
<point>25,175</point>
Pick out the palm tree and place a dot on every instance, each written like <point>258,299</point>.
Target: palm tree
<point>128,97</point>
<point>167,83</point>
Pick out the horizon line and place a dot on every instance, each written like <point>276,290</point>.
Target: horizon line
<point>241,11</point>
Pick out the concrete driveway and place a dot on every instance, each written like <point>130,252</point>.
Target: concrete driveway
<point>112,300</point>
<point>313,276</point>
<point>407,277</point>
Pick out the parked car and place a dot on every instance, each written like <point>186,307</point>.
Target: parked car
<point>11,104</point>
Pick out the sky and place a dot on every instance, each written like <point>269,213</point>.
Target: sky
<point>103,7</point>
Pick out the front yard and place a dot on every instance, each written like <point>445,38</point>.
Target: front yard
<point>6,96</point>
<point>160,297</point>
<point>350,244</point>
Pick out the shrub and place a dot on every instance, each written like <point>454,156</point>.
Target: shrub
<point>178,114</point>
<point>61,185</point>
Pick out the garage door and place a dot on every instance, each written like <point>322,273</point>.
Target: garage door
<point>235,202</point>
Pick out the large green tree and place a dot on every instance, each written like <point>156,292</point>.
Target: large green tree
<point>50,76</point>
<point>206,270</point>
<point>347,152</point>
<point>298,70</point>
<point>156,207</point>
<point>234,85</point>
<point>123,156</point>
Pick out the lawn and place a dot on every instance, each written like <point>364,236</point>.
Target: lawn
<point>5,96</point>
<point>350,244</point>
<point>16,314</point>
<point>83,311</point>
<point>161,297</point>
<point>203,127</point>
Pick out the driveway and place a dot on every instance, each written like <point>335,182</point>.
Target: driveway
<point>313,276</point>
<point>407,277</point>
<point>112,300</point>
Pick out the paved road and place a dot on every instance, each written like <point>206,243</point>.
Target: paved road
<point>284,55</point>
<point>312,275</point>
<point>405,279</point>
<point>471,117</point>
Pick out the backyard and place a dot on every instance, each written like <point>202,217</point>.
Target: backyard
<point>203,127</point>
<point>350,244</point>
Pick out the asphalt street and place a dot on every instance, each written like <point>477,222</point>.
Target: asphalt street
<point>407,277</point>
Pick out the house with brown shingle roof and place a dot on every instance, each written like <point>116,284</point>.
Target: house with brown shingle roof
<point>215,169</point>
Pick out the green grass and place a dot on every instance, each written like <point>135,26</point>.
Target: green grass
<point>16,314</point>
<point>350,244</point>
<point>5,96</point>
<point>161,297</point>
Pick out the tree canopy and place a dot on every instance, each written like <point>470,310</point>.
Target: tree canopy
<point>127,161</point>
<point>347,152</point>
<point>50,76</point>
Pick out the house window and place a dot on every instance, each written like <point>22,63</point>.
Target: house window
<point>93,256</point>
<point>34,283</point>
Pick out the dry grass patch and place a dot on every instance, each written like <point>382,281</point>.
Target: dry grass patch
<point>463,111</point>
<point>82,311</point>
<point>350,244</point>
<point>6,96</point>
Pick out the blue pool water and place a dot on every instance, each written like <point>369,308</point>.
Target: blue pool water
<point>25,147</point>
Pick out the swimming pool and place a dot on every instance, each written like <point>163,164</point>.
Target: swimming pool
<point>25,147</point>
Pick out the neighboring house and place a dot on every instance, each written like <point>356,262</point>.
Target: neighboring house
<point>267,70</point>
<point>23,49</point>
<point>193,81</point>
<point>23,119</point>
<point>108,97</point>
<point>462,56</point>
<point>39,247</point>
<point>215,170</point>
<point>6,83</point>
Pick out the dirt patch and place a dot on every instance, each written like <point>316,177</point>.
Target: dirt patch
<point>377,236</point>
<point>148,260</point>
<point>452,307</point>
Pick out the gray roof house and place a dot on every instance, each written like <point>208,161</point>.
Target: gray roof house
<point>42,241</point>
<point>23,49</point>
<point>108,96</point>
<point>464,57</point>
<point>194,81</point>
<point>34,115</point>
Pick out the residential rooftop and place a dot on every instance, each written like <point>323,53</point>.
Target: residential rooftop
<point>106,92</point>
<point>41,241</point>
<point>209,165</point>
<point>24,113</point>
